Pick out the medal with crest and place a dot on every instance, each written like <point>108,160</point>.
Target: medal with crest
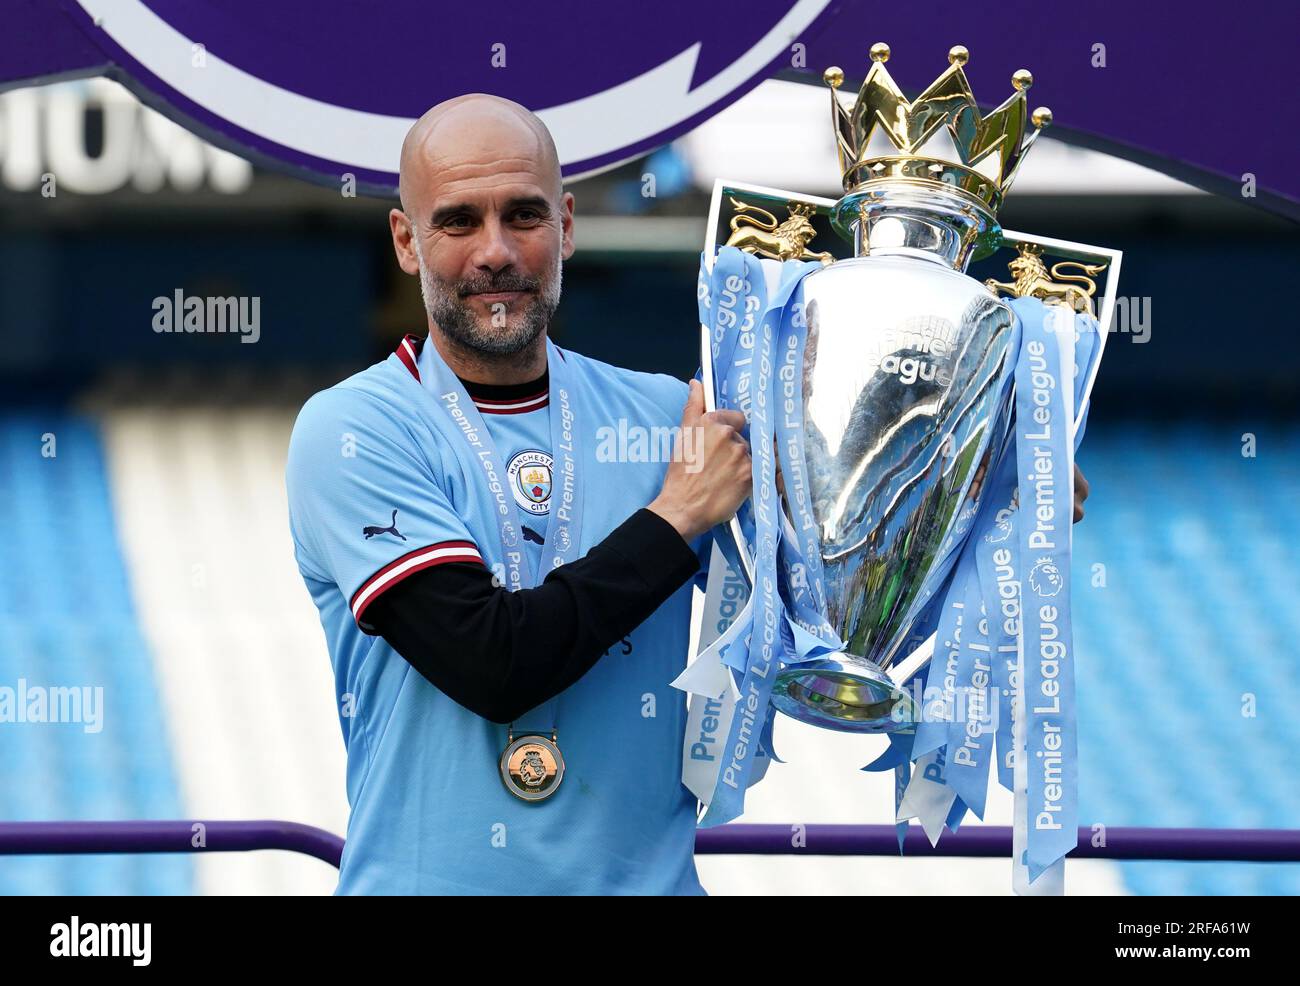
<point>532,767</point>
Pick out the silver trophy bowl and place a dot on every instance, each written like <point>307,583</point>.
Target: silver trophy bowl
<point>907,377</point>
<point>891,456</point>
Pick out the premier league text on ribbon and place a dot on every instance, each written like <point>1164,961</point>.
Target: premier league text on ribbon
<point>1044,536</point>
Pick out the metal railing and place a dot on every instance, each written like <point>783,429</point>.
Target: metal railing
<point>195,835</point>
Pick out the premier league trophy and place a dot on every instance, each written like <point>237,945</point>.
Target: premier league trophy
<point>903,389</point>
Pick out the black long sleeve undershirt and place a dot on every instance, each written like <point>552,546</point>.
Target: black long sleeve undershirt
<point>501,653</point>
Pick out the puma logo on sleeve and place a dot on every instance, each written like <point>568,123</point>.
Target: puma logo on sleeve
<point>372,530</point>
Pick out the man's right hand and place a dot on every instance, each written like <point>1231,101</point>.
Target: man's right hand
<point>710,475</point>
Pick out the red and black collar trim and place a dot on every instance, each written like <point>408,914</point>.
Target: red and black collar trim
<point>514,398</point>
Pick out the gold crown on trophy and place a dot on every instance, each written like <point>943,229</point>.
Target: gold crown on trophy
<point>939,138</point>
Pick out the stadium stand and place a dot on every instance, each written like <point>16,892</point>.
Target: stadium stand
<point>67,609</point>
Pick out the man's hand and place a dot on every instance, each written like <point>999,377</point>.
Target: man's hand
<point>710,475</point>
<point>1080,492</point>
<point>1081,488</point>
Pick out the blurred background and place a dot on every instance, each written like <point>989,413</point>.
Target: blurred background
<point>145,549</point>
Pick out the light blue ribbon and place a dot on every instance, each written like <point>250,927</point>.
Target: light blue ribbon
<point>937,711</point>
<point>463,430</point>
<point>997,558</point>
<point>1043,437</point>
<point>1010,570</point>
<point>787,621</point>
<point>970,735</point>
<point>805,589</point>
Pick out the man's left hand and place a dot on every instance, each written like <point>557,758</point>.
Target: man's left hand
<point>1080,492</point>
<point>1081,488</point>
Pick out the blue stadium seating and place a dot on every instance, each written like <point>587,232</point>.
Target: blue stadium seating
<point>67,619</point>
<point>1198,614</point>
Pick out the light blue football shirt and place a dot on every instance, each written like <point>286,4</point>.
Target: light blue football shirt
<point>429,812</point>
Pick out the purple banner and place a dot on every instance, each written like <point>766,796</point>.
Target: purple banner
<point>329,87</point>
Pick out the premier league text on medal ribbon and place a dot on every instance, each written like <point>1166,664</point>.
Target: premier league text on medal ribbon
<point>485,458</point>
<point>568,470</point>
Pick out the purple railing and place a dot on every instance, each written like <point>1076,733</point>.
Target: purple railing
<point>31,838</point>
<point>1223,845</point>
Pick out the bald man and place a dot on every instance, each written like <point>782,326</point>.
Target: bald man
<point>504,605</point>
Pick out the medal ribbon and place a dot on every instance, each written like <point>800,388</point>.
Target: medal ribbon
<point>460,423</point>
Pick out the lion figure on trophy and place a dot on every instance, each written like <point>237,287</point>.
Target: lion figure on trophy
<point>787,241</point>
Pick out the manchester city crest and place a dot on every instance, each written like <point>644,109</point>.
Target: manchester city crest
<point>530,480</point>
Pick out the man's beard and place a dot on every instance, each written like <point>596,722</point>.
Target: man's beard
<point>448,306</point>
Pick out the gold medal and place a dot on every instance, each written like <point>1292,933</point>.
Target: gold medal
<point>532,767</point>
